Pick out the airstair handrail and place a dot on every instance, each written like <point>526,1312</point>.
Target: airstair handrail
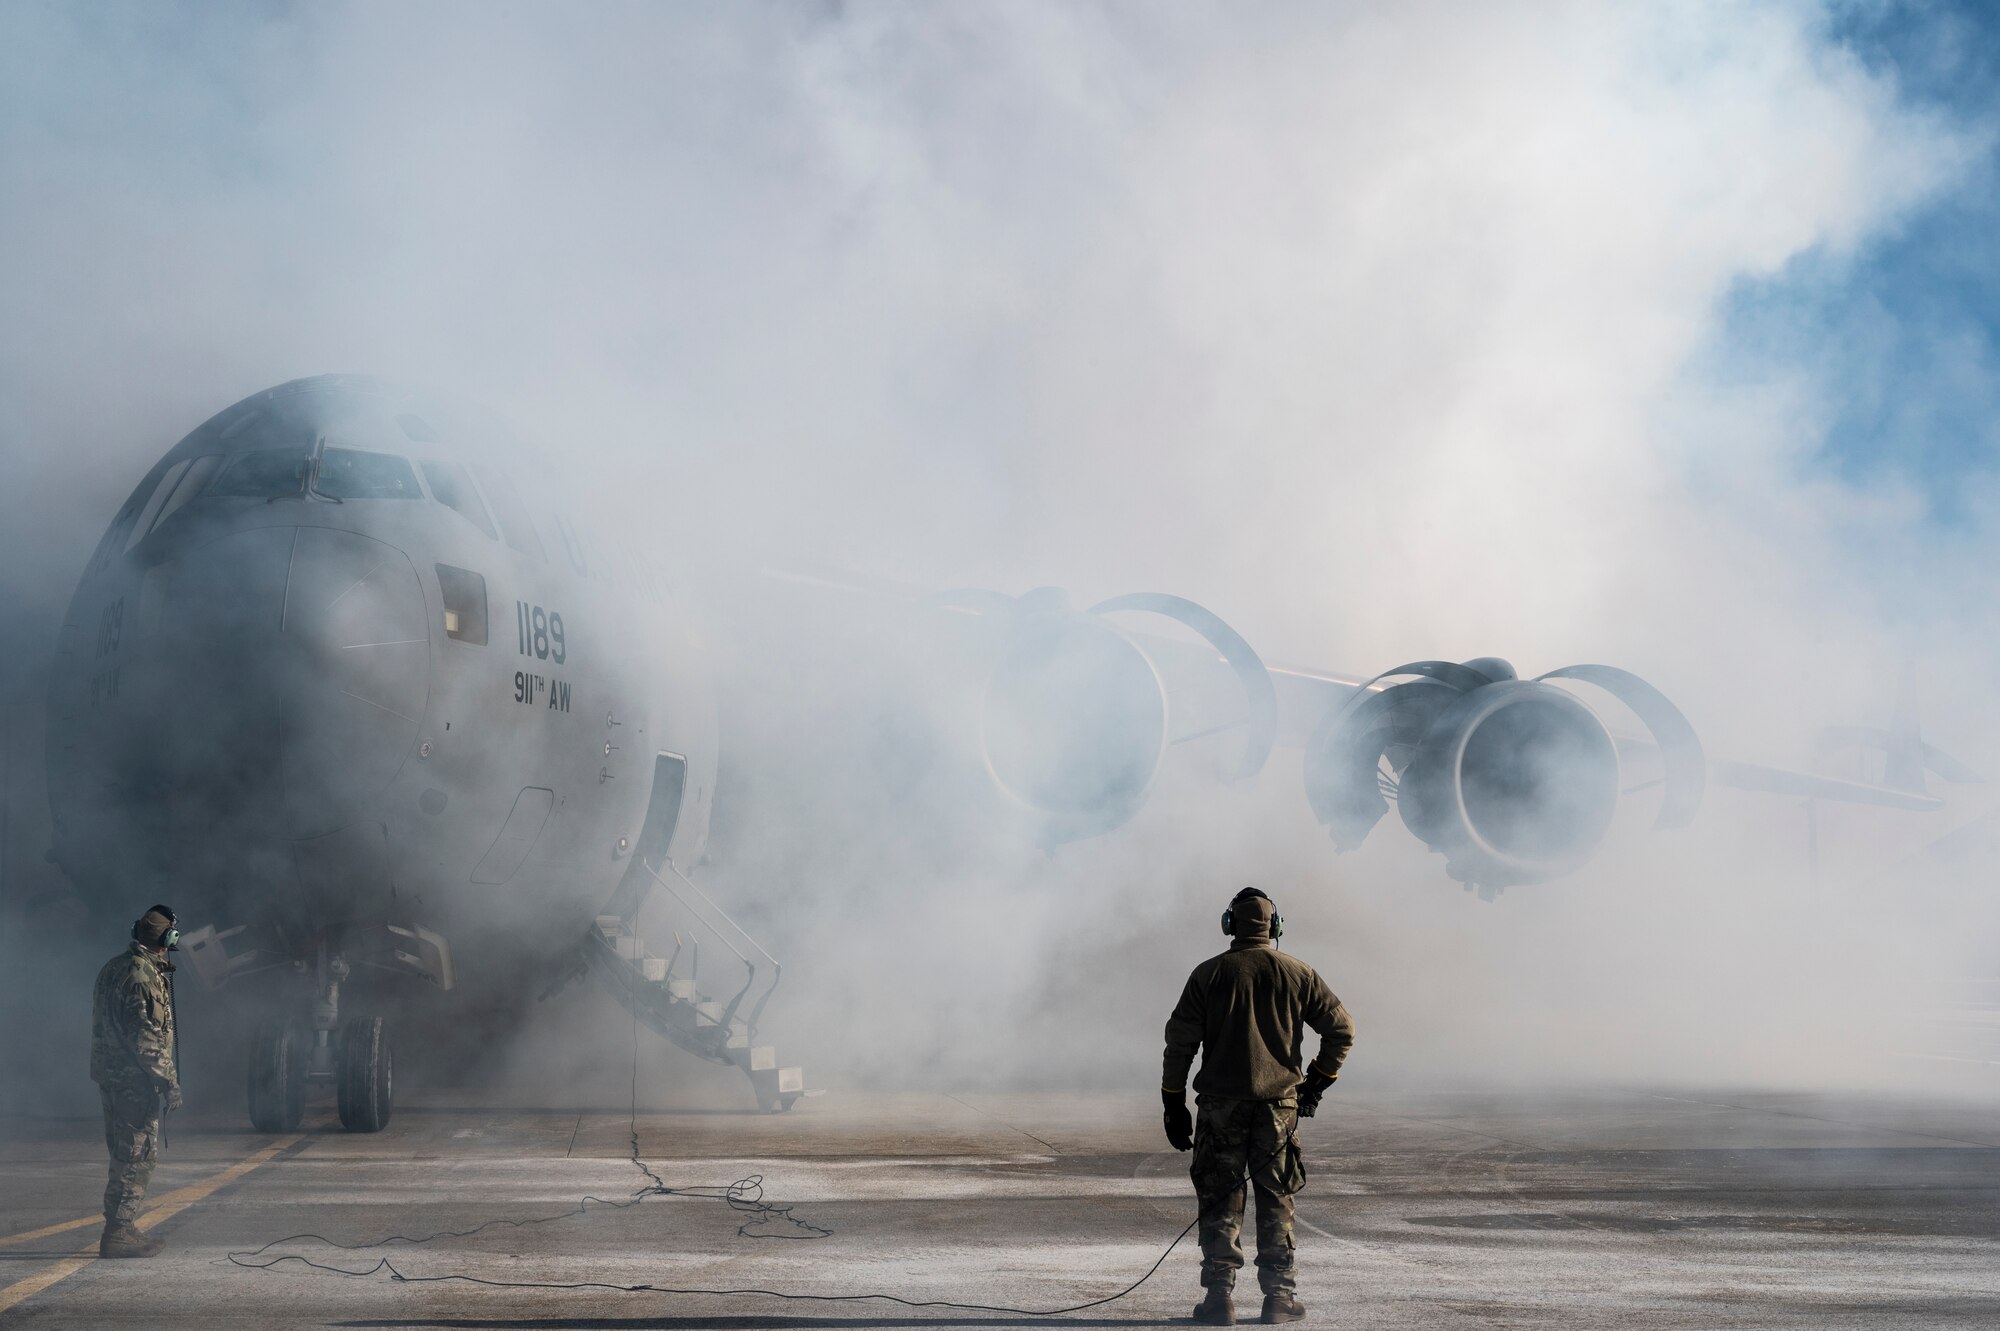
<point>701,906</point>
<point>709,902</point>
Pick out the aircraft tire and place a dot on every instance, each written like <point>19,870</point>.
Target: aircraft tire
<point>366,1085</point>
<point>277,1078</point>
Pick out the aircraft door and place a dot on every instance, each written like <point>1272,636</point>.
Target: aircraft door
<point>663,810</point>
<point>656,837</point>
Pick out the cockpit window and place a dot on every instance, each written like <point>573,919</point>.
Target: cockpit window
<point>191,485</point>
<point>515,523</point>
<point>152,509</point>
<point>271,473</point>
<point>453,488</point>
<point>349,473</point>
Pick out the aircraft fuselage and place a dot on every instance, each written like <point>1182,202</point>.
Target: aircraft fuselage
<point>332,665</point>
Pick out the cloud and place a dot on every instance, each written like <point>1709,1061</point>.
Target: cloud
<point>1381,330</point>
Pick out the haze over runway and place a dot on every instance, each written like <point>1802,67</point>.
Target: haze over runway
<point>1586,1209</point>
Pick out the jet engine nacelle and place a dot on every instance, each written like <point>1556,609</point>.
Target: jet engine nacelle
<point>1516,782</point>
<point>1513,781</point>
<point>1076,716</point>
<point>1073,725</point>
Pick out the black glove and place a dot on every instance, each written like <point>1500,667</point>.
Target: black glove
<point>1315,1087</point>
<point>1180,1123</point>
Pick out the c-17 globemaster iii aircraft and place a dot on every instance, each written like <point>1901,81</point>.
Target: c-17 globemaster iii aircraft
<point>335,683</point>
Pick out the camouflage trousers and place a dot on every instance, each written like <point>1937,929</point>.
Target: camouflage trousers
<point>132,1135</point>
<point>1235,1139</point>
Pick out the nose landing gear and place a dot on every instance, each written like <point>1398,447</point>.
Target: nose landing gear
<point>359,1063</point>
<point>288,1054</point>
<point>365,1089</point>
<point>277,1080</point>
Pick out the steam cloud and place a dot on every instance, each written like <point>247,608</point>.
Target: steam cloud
<point>1388,333</point>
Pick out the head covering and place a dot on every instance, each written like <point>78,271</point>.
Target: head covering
<point>1250,914</point>
<point>152,927</point>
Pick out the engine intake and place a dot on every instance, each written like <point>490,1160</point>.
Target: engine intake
<point>1513,781</point>
<point>1075,721</point>
<point>1074,725</point>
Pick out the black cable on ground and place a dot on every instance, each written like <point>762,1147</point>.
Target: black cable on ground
<point>746,1195</point>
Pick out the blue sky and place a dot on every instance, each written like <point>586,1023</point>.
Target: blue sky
<point>1902,336</point>
<point>1245,260</point>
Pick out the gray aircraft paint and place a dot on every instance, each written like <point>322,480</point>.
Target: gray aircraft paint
<point>257,708</point>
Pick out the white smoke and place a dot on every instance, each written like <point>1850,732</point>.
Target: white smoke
<point>1380,330</point>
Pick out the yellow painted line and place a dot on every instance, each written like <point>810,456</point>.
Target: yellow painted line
<point>48,1275</point>
<point>168,1206</point>
<point>192,1192</point>
<point>46,1230</point>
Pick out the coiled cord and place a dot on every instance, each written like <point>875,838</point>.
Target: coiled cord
<point>745,1196</point>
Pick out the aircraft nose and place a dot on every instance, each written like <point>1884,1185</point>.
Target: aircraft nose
<point>355,621</point>
<point>299,660</point>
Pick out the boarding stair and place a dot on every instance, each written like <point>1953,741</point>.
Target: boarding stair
<point>668,992</point>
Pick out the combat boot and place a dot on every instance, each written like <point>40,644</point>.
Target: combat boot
<point>122,1239</point>
<point>1216,1309</point>
<point>1282,1308</point>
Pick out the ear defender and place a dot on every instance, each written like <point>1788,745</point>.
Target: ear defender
<point>168,938</point>
<point>1229,914</point>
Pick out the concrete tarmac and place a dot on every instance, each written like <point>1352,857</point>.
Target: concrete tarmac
<point>1582,1209</point>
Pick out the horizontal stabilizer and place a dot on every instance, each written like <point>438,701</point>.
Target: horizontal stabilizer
<point>1914,754</point>
<point>1779,781</point>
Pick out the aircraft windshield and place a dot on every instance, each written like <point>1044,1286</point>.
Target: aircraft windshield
<point>160,493</point>
<point>515,524</point>
<point>191,484</point>
<point>349,473</point>
<point>272,473</point>
<point>453,489</point>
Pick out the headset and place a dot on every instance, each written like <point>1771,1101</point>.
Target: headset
<point>171,939</point>
<point>1229,914</point>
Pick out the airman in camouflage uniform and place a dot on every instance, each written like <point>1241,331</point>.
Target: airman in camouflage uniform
<point>132,1062</point>
<point>1246,1011</point>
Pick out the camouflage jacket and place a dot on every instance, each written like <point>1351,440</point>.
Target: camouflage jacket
<point>1247,1012</point>
<point>132,1023</point>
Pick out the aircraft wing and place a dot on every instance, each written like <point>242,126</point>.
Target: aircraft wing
<point>1513,780</point>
